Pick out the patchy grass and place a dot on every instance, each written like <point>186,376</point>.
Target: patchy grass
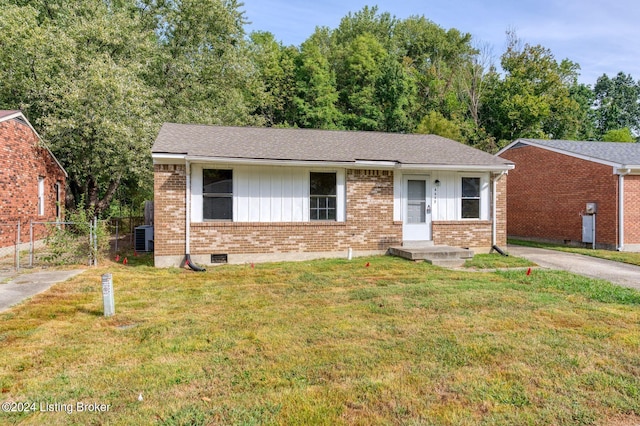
<point>327,342</point>
<point>618,256</point>
<point>496,261</point>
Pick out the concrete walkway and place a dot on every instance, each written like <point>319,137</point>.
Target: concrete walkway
<point>22,286</point>
<point>616,272</point>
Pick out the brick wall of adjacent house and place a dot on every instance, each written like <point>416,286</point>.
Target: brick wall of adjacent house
<point>632,210</point>
<point>548,192</point>
<point>22,161</point>
<point>369,225</point>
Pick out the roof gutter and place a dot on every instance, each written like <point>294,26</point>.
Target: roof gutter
<point>161,158</point>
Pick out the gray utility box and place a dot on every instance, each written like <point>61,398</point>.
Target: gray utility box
<point>589,223</point>
<point>587,228</point>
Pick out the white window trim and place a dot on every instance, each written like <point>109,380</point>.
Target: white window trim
<point>484,196</point>
<point>41,200</point>
<point>341,205</point>
<point>234,203</point>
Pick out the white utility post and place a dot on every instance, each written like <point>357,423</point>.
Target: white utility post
<point>107,295</point>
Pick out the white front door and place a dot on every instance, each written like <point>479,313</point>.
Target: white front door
<point>416,222</point>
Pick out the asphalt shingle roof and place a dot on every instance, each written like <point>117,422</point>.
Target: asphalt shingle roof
<point>623,153</point>
<point>317,145</point>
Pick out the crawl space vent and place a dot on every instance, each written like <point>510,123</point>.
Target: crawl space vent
<point>218,258</point>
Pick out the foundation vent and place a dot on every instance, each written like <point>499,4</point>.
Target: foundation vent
<point>219,258</point>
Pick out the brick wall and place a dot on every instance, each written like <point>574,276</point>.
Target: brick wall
<point>22,161</point>
<point>169,209</point>
<point>632,210</point>
<point>467,233</point>
<point>369,224</point>
<point>501,210</point>
<point>548,191</point>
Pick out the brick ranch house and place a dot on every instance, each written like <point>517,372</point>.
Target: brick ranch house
<point>241,194</point>
<point>32,181</point>
<point>554,180</point>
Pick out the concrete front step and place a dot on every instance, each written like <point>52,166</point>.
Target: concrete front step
<point>417,244</point>
<point>446,263</point>
<point>445,256</point>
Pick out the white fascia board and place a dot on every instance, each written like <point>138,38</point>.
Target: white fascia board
<point>456,168</point>
<point>376,164</point>
<point>562,151</point>
<point>627,170</point>
<point>163,158</point>
<point>269,162</point>
<point>15,115</point>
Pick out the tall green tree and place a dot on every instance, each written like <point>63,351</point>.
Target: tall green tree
<point>77,70</point>
<point>532,100</point>
<point>618,135</point>
<point>204,73</point>
<point>317,94</point>
<point>616,103</point>
<point>437,56</point>
<point>358,83</point>
<point>277,67</point>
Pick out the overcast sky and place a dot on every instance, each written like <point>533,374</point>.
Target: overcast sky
<point>603,36</point>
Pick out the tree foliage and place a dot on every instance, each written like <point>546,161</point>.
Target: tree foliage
<point>618,135</point>
<point>616,103</point>
<point>98,77</point>
<point>533,99</point>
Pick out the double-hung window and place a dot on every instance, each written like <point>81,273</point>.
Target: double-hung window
<point>40,196</point>
<point>322,191</point>
<point>470,198</point>
<point>217,194</point>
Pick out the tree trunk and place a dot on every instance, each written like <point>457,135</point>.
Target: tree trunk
<point>104,203</point>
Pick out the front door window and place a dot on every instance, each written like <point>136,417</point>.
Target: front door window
<point>416,207</point>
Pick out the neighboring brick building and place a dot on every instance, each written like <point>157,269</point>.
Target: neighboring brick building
<point>32,181</point>
<point>257,194</point>
<point>554,180</point>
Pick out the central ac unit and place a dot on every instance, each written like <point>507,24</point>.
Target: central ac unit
<point>143,238</point>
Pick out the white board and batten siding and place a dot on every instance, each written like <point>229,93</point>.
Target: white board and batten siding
<point>445,199</point>
<point>267,193</point>
<point>281,194</point>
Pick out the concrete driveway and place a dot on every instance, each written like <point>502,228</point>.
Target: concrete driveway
<point>22,286</point>
<point>618,273</point>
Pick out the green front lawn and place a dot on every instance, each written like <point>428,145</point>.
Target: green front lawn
<point>495,260</point>
<point>327,342</point>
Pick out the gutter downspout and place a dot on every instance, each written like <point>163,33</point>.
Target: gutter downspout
<point>187,221</point>
<point>621,175</point>
<point>494,230</point>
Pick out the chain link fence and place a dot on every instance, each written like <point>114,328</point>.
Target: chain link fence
<point>9,246</point>
<point>40,244</point>
<point>122,232</point>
